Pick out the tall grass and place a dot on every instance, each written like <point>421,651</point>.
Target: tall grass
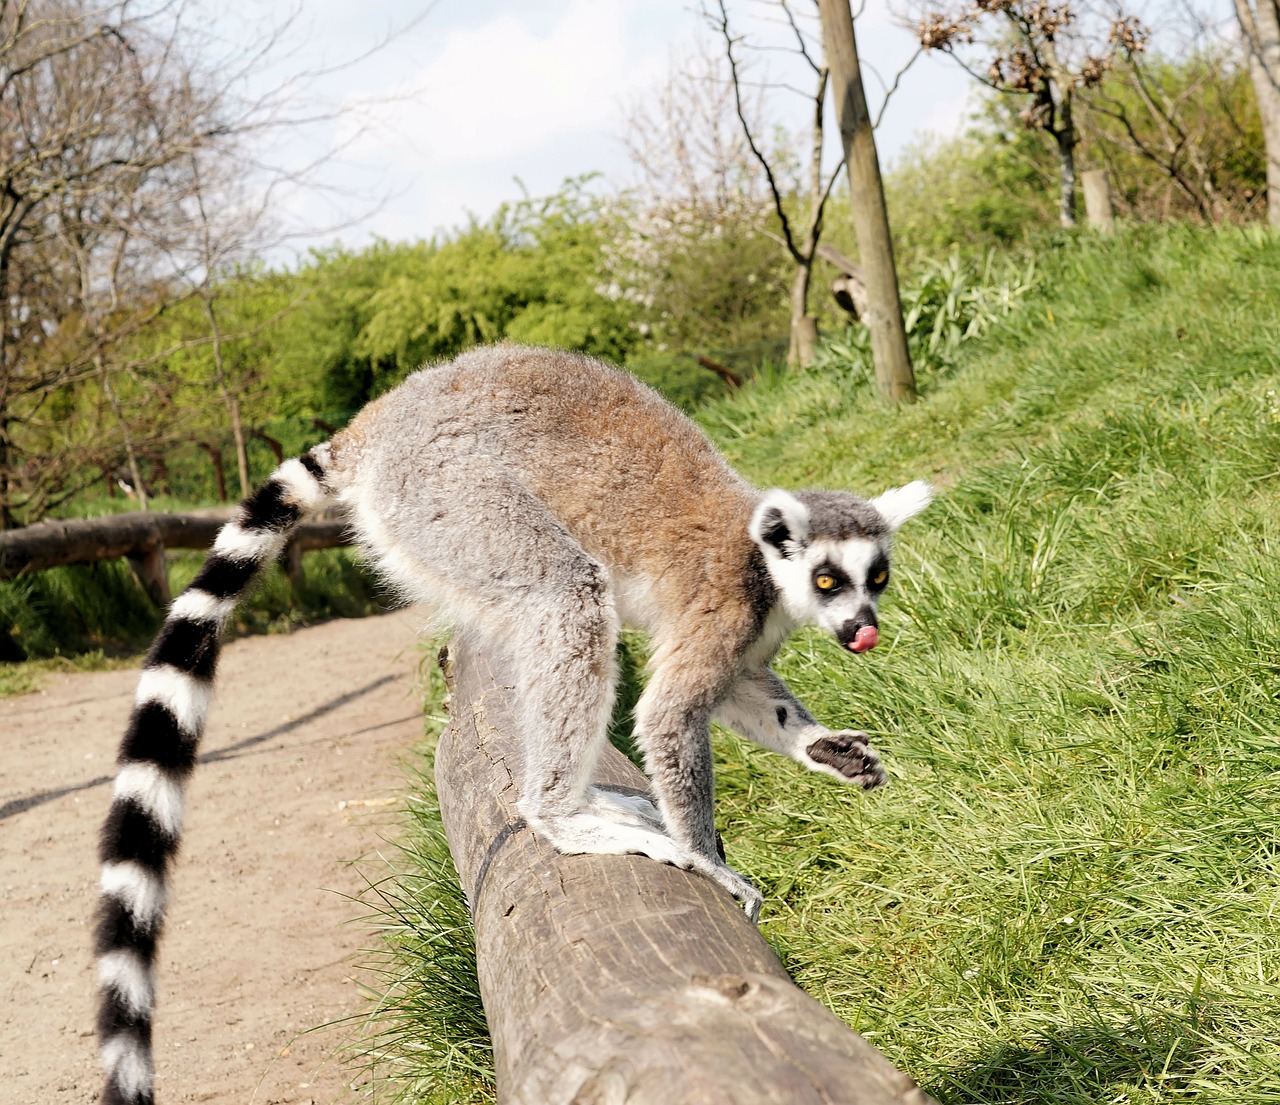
<point>429,1043</point>
<point>1070,893</point>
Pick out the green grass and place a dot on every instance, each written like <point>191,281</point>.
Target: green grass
<point>430,1042</point>
<point>1070,893</point>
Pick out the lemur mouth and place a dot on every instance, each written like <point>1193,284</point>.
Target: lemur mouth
<point>864,640</point>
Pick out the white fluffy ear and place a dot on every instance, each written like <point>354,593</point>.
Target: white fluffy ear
<point>780,524</point>
<point>900,503</point>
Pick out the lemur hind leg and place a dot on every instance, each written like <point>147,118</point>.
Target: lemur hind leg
<point>566,690</point>
<point>531,591</point>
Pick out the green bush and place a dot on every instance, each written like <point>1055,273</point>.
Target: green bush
<point>100,609</point>
<point>947,304</point>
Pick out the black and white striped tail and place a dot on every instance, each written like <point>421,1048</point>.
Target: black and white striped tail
<point>142,831</point>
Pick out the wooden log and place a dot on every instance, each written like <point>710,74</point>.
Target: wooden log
<point>85,540</point>
<point>731,378</point>
<point>136,534</point>
<point>615,979</point>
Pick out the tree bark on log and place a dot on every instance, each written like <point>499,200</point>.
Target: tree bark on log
<point>615,980</point>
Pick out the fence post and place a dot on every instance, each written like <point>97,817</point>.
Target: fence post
<point>150,570</point>
<point>1097,200</point>
<point>293,563</point>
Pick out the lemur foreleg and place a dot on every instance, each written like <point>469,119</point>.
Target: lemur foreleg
<point>762,708</point>
<point>673,730</point>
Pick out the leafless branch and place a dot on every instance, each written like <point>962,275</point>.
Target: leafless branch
<point>897,80</point>
<point>722,25</point>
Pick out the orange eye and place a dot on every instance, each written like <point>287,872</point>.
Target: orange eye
<point>825,582</point>
<point>879,580</point>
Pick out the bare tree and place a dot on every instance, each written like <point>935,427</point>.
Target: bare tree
<point>686,143</point>
<point>690,248</point>
<point>97,105</point>
<point>1184,113</point>
<point>1036,49</point>
<point>801,244</point>
<point>120,134</point>
<point>1260,27</point>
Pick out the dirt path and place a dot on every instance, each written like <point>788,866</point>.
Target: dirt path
<point>301,776</point>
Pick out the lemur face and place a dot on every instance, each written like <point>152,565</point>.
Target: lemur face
<point>828,555</point>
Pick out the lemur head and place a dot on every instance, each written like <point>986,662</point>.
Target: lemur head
<point>828,554</point>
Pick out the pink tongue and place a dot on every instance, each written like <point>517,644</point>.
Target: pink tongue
<point>866,637</point>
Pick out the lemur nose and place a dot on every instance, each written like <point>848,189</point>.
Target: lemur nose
<point>859,633</point>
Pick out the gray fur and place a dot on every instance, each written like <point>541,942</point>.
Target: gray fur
<point>839,516</point>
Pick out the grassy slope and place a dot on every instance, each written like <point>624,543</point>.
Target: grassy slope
<point>1070,893</point>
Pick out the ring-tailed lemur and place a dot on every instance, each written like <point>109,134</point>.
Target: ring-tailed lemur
<point>545,499</point>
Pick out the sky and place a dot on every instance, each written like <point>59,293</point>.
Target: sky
<point>478,101</point>
<point>473,101</point>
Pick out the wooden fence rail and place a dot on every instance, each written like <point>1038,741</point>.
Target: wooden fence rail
<point>615,980</point>
<point>142,537</point>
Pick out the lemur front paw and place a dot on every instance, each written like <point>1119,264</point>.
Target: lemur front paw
<point>848,757</point>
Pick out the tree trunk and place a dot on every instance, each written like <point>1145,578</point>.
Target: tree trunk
<point>1261,31</point>
<point>804,327</point>
<point>615,980</point>
<point>894,374</point>
<point>215,456</point>
<point>230,398</point>
<point>1064,136</point>
<point>1060,82</point>
<point>7,520</point>
<point>237,435</point>
<point>131,455</point>
<point>1066,141</point>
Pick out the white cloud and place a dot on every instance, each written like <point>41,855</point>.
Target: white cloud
<point>501,89</point>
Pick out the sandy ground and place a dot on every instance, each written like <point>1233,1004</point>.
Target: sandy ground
<point>300,779</point>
